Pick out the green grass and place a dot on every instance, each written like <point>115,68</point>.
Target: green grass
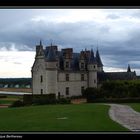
<point>135,106</point>
<point>82,117</point>
<point>6,102</point>
<point>10,99</point>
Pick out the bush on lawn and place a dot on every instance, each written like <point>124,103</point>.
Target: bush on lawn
<point>64,101</point>
<point>3,96</point>
<point>17,103</point>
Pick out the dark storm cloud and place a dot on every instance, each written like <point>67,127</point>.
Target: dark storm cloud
<point>67,34</point>
<point>118,41</point>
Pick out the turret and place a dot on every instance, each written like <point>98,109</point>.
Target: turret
<point>38,77</point>
<point>99,62</point>
<point>51,71</point>
<point>92,70</point>
<point>128,68</point>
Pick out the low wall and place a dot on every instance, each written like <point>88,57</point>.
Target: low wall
<point>78,101</point>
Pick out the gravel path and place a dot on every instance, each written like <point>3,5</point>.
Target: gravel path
<point>125,116</point>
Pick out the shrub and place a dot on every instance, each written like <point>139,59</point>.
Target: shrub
<point>39,99</point>
<point>116,100</point>
<point>3,96</point>
<point>44,99</point>
<point>27,99</point>
<point>64,101</point>
<point>76,97</point>
<point>92,93</point>
<point>17,103</point>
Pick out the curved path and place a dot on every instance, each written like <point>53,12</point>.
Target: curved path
<point>125,115</point>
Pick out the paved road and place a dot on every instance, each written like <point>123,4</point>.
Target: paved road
<point>125,116</point>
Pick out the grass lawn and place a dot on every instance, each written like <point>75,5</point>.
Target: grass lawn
<point>81,117</point>
<point>10,99</point>
<point>135,106</point>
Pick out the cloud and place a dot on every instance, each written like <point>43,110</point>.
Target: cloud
<point>113,16</point>
<point>9,61</point>
<point>117,32</point>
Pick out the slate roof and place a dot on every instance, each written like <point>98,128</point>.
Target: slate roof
<point>98,59</point>
<point>92,59</point>
<point>51,55</point>
<point>103,76</point>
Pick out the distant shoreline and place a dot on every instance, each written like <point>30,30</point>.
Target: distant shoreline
<point>27,90</point>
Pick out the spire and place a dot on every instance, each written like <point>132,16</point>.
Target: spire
<point>128,69</point>
<point>98,59</point>
<point>40,42</point>
<point>92,59</point>
<point>51,54</point>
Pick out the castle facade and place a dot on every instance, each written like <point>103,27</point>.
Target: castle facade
<point>66,73</point>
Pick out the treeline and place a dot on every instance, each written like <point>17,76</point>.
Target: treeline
<point>112,90</point>
<point>15,82</point>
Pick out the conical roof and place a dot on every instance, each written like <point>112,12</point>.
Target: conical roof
<point>92,59</point>
<point>98,59</point>
<point>51,54</point>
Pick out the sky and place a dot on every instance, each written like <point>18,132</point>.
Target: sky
<point>116,33</point>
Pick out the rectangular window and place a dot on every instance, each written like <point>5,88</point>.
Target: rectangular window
<point>67,90</point>
<point>82,65</point>
<point>41,78</point>
<point>67,77</point>
<point>82,89</point>
<point>41,91</point>
<point>82,77</point>
<point>67,64</point>
<point>94,81</point>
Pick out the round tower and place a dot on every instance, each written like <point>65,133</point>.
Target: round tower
<point>92,71</point>
<point>51,72</point>
<point>38,69</point>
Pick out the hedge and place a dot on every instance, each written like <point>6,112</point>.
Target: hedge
<point>114,100</point>
<point>39,99</point>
